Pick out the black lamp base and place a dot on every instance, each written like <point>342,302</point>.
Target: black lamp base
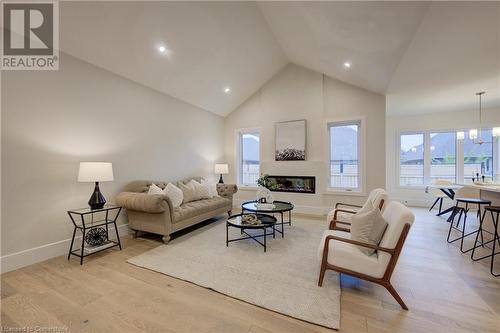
<point>221,181</point>
<point>97,200</point>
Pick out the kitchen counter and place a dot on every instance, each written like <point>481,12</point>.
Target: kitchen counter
<point>493,187</point>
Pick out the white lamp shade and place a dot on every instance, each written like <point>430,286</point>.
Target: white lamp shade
<point>221,169</point>
<point>95,172</point>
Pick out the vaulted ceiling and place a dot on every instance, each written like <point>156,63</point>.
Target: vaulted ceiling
<point>426,57</point>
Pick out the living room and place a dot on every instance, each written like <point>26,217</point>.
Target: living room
<point>251,166</point>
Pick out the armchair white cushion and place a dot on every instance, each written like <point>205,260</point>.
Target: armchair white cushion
<point>350,256</point>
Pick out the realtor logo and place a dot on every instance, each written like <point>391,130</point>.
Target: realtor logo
<point>30,35</point>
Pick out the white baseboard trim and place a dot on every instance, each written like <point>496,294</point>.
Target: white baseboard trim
<point>31,256</point>
<point>309,210</point>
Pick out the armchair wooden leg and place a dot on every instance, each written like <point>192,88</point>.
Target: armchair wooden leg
<point>321,275</point>
<point>396,296</point>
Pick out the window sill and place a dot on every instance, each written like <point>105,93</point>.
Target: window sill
<point>248,187</point>
<point>416,187</point>
<point>341,192</point>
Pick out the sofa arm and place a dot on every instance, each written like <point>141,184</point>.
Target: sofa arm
<point>227,190</point>
<point>142,202</point>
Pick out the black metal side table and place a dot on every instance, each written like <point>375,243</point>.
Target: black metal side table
<point>87,219</point>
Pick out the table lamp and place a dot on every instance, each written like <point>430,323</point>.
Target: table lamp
<point>222,169</point>
<point>96,172</point>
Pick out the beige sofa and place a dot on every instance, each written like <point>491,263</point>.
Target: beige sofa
<point>155,213</point>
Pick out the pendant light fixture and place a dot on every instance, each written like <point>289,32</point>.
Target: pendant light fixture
<point>475,134</point>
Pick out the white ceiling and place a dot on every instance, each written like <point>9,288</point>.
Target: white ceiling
<point>426,57</point>
<point>455,53</point>
<point>213,45</point>
<point>373,36</point>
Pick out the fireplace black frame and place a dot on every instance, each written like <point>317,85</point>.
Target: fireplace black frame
<point>312,178</point>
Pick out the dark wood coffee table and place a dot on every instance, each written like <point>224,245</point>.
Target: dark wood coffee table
<point>280,207</point>
<point>266,221</point>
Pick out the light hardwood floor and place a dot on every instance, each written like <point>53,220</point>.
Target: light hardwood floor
<point>444,289</point>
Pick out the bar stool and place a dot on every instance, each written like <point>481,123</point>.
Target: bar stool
<point>464,211</point>
<point>496,237</point>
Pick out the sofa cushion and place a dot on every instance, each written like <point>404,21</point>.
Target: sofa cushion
<point>202,191</point>
<point>195,208</point>
<point>188,191</point>
<point>175,194</point>
<point>155,189</point>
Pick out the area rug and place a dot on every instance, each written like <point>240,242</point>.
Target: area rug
<point>284,279</point>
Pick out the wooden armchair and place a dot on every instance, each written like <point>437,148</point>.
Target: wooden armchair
<point>339,217</point>
<point>340,253</point>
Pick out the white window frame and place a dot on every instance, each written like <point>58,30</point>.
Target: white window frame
<point>459,156</point>
<point>361,122</point>
<point>238,134</point>
<point>398,165</point>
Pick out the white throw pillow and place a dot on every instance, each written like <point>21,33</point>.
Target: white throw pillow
<point>368,226</point>
<point>202,191</point>
<point>155,189</point>
<point>211,186</point>
<point>188,192</point>
<point>175,194</point>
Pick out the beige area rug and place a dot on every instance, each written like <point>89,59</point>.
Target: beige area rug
<point>284,279</point>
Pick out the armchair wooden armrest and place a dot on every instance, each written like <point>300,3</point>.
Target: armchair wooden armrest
<point>334,221</point>
<point>347,205</point>
<point>354,242</point>
<point>343,211</point>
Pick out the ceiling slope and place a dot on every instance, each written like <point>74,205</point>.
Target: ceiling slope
<point>212,45</point>
<point>454,54</point>
<point>321,36</point>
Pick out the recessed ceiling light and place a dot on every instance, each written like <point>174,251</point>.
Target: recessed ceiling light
<point>162,49</point>
<point>227,90</point>
<point>347,64</point>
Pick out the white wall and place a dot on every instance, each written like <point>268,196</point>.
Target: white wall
<point>428,121</point>
<point>299,93</point>
<point>52,120</point>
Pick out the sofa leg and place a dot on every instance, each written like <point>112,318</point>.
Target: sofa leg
<point>166,239</point>
<point>134,233</point>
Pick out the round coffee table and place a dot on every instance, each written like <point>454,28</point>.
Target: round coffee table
<point>280,207</point>
<point>266,221</point>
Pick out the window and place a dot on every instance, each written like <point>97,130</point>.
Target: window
<point>428,156</point>
<point>443,149</point>
<point>411,159</point>
<point>248,157</point>
<point>478,158</point>
<point>344,142</point>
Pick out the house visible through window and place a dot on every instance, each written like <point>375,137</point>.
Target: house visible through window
<point>478,158</point>
<point>450,155</point>
<point>443,147</point>
<point>249,160</point>
<point>411,159</point>
<point>344,142</point>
